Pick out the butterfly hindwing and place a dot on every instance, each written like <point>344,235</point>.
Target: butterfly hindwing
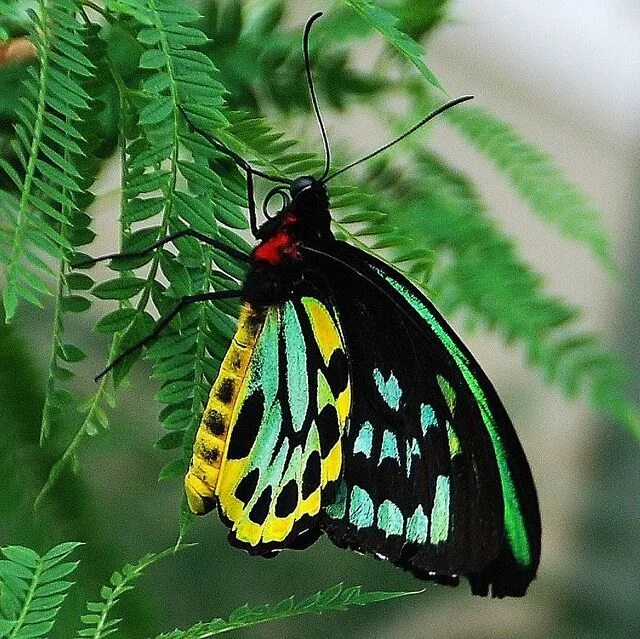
<point>285,418</point>
<point>434,477</point>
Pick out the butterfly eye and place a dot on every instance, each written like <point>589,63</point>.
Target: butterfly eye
<point>285,201</point>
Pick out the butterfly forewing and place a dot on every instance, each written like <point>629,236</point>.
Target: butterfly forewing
<point>287,402</point>
<point>434,477</point>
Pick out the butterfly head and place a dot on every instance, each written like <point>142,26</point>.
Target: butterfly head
<point>309,207</point>
<point>309,194</point>
<point>303,219</point>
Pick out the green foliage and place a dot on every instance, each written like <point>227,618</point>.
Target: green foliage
<point>489,280</point>
<point>33,590</point>
<point>46,147</point>
<point>387,24</point>
<point>97,621</point>
<point>258,54</point>
<point>336,598</point>
<point>419,19</point>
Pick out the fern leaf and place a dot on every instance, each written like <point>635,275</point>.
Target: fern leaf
<point>538,181</point>
<point>53,87</point>
<point>152,168</point>
<point>72,287</point>
<point>336,598</point>
<point>32,589</point>
<point>181,78</point>
<point>52,209</point>
<point>95,419</point>
<point>97,621</point>
<point>57,399</point>
<point>70,297</point>
<point>420,19</point>
<point>387,24</point>
<point>176,77</point>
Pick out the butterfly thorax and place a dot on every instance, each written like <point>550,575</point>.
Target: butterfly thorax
<point>276,268</point>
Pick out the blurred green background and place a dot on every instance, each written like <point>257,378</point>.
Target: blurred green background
<point>564,77</point>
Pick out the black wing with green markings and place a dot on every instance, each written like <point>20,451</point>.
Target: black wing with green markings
<point>435,479</point>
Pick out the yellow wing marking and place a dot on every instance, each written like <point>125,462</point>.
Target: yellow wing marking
<point>204,470</point>
<point>324,328</point>
<point>213,475</point>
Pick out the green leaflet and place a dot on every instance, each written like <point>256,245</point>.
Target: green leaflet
<point>386,23</point>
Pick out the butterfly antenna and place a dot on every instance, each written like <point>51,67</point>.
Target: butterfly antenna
<point>415,127</point>
<point>312,91</point>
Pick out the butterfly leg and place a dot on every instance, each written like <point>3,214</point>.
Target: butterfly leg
<point>166,320</point>
<point>229,250</point>
<point>244,165</point>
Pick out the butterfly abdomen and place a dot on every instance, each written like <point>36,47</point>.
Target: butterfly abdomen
<point>211,440</point>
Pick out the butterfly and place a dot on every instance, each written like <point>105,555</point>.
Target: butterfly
<point>347,406</point>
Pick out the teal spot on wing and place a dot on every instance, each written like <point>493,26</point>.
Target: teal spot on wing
<point>324,395</point>
<point>364,440</point>
<point>513,519</point>
<point>263,450</point>
<point>338,508</point>
<point>390,518</point>
<point>270,474</point>
<point>360,508</point>
<point>389,389</point>
<point>263,371</point>
<point>427,418</point>
<point>418,527</point>
<point>440,511</point>
<point>454,443</point>
<point>413,450</point>
<point>296,371</point>
<point>448,393</point>
<point>389,447</point>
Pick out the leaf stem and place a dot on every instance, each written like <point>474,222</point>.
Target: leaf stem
<point>45,426</point>
<point>59,466</point>
<point>96,7</point>
<point>128,575</point>
<point>15,631</point>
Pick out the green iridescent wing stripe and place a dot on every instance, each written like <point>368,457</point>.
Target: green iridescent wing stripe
<point>284,448</point>
<point>461,489</point>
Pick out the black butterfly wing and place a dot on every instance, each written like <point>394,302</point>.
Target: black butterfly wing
<point>435,479</point>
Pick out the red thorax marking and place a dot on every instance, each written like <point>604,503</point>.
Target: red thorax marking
<point>280,246</point>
